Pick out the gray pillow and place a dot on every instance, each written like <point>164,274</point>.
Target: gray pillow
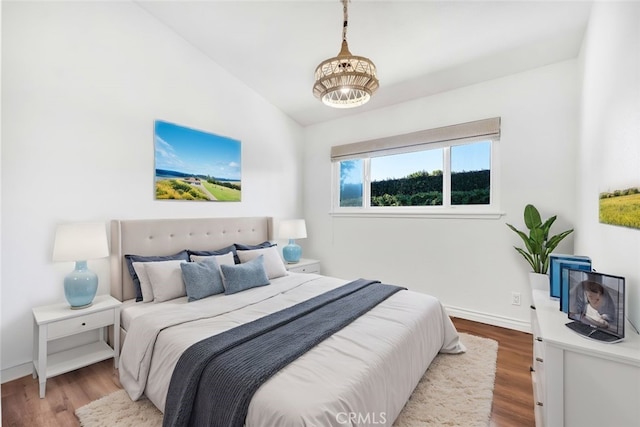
<point>202,279</point>
<point>240,277</point>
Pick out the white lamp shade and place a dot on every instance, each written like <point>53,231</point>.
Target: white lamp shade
<point>80,242</point>
<point>292,229</point>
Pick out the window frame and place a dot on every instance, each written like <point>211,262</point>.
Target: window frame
<point>446,210</point>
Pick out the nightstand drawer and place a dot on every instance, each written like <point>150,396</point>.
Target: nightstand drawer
<point>305,265</point>
<point>79,324</point>
<point>311,268</point>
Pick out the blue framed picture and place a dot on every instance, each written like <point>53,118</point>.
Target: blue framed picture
<point>195,165</point>
<point>556,262</point>
<point>560,273</point>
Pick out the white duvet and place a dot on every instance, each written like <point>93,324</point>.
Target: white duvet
<point>362,375</point>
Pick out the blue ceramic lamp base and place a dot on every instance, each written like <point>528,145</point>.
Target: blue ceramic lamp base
<point>80,286</point>
<point>292,252</point>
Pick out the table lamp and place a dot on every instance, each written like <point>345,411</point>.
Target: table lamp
<point>80,242</point>
<point>292,229</point>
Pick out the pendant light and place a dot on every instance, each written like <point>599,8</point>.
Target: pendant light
<point>346,80</point>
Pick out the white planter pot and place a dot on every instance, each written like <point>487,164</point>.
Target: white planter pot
<point>539,281</point>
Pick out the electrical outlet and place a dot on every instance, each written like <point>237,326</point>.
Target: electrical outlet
<point>515,298</point>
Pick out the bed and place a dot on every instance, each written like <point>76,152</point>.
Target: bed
<point>364,371</point>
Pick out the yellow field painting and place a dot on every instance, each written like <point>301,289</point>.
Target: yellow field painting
<point>621,210</point>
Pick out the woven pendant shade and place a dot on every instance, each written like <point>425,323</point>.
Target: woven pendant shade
<point>347,80</point>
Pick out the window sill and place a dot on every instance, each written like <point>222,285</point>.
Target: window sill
<point>411,213</point>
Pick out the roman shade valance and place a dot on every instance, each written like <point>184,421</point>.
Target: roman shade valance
<point>479,129</point>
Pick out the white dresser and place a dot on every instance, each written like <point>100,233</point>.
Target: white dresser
<point>580,382</point>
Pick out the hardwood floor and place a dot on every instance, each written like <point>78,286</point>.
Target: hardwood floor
<point>512,393</point>
<point>21,406</point>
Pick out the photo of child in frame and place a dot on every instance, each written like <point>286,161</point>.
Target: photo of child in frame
<point>594,306</point>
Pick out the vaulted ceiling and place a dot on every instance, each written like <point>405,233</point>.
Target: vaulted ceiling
<point>419,47</point>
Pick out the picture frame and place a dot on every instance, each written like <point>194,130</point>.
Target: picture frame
<point>620,207</point>
<point>194,165</point>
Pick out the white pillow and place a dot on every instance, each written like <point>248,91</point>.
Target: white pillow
<point>145,283</point>
<point>272,262</point>
<point>226,259</point>
<point>166,280</point>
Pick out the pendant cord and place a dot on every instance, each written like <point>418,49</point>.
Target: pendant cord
<point>345,20</point>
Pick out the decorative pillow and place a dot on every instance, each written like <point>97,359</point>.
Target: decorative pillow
<point>227,259</point>
<point>223,251</point>
<point>240,277</point>
<point>241,247</point>
<point>130,259</point>
<point>145,284</point>
<point>272,262</point>
<point>203,279</point>
<point>166,280</point>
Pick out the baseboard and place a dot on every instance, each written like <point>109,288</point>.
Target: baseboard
<point>489,319</point>
<point>16,372</point>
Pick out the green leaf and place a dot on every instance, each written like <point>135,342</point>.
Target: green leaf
<point>523,236</point>
<point>547,226</point>
<point>526,256</point>
<point>537,238</point>
<point>555,240</point>
<point>531,217</point>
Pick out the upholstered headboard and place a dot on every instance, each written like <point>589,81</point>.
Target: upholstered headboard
<point>169,236</point>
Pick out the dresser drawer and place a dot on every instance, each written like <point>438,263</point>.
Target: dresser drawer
<point>538,348</point>
<point>539,414</point>
<point>538,345</point>
<point>75,325</point>
<point>538,397</point>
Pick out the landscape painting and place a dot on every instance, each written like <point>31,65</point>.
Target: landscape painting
<point>194,165</point>
<point>621,207</point>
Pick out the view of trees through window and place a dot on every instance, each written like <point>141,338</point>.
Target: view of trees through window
<point>471,174</point>
<point>418,178</point>
<point>408,179</point>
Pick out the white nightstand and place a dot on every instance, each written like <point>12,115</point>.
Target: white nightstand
<point>305,265</point>
<point>59,320</point>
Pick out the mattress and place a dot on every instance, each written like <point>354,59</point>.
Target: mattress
<point>369,367</point>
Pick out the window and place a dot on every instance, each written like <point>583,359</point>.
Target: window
<point>351,183</point>
<point>443,171</point>
<point>408,179</point>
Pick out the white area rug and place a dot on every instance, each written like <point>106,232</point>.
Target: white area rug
<point>456,390</point>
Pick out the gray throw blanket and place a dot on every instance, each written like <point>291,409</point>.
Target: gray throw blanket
<point>215,379</point>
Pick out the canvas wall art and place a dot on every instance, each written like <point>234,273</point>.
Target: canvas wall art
<point>621,207</point>
<point>194,165</point>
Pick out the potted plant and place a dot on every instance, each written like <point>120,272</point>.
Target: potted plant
<point>538,244</point>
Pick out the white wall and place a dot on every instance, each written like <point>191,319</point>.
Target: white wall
<point>82,83</point>
<point>610,139</point>
<point>469,264</point>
